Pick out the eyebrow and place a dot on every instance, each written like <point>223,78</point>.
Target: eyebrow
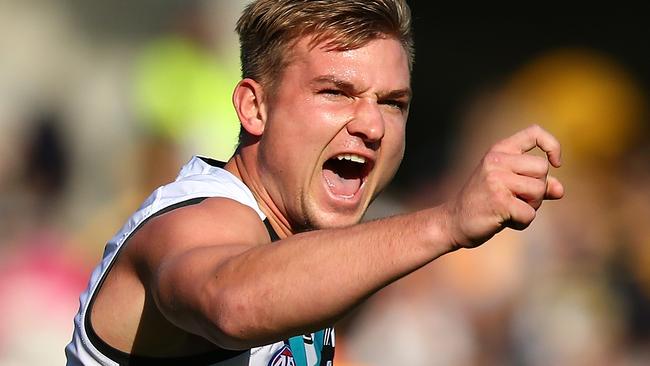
<point>347,86</point>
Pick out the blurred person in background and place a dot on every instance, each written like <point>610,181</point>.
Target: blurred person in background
<point>571,290</point>
<point>59,167</point>
<point>41,271</point>
<point>323,104</point>
<point>183,80</point>
<point>179,87</point>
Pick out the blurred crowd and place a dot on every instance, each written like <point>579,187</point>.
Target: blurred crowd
<point>100,104</point>
<point>573,288</point>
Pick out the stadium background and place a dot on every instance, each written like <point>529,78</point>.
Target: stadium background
<point>100,102</point>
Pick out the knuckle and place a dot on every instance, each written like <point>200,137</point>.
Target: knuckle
<point>541,165</point>
<point>493,181</point>
<point>544,168</point>
<point>491,159</point>
<point>536,130</point>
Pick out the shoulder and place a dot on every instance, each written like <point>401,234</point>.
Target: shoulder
<point>215,221</point>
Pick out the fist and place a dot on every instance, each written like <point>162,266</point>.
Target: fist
<point>506,188</point>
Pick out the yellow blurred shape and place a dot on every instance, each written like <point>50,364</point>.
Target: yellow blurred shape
<point>584,98</point>
<point>183,92</point>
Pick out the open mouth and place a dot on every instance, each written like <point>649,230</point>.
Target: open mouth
<point>345,174</point>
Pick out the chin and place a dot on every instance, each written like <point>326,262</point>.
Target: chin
<point>317,220</point>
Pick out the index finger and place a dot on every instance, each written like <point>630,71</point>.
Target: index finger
<point>530,138</point>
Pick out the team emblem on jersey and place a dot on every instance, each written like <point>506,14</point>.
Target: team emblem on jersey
<point>283,357</point>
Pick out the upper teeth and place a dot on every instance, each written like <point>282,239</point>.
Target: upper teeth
<point>352,157</point>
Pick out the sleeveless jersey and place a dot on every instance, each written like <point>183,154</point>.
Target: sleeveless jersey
<point>200,178</point>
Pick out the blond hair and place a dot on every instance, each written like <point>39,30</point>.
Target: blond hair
<point>268,28</point>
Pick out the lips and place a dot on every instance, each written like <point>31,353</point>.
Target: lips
<point>345,174</point>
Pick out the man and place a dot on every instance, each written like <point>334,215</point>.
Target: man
<point>193,277</point>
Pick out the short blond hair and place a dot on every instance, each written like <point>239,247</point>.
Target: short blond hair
<point>268,28</point>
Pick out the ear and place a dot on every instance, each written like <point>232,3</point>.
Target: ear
<point>248,99</point>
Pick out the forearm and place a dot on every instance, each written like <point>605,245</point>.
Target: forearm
<point>311,279</point>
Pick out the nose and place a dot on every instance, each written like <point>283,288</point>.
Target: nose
<point>368,122</point>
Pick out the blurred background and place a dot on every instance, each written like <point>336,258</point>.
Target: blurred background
<point>101,102</point>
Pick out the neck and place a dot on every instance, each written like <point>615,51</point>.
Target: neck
<point>245,167</point>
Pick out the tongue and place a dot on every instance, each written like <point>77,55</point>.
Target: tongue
<point>341,186</point>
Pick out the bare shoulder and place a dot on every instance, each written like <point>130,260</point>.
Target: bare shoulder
<point>196,237</point>
<point>213,222</point>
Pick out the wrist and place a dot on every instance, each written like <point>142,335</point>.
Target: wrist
<point>442,229</point>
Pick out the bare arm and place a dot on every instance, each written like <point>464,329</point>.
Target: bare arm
<point>211,276</point>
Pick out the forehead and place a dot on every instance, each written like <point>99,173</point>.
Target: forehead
<point>382,63</point>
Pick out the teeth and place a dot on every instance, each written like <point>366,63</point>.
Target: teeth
<point>352,157</point>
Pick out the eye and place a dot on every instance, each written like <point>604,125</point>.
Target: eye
<point>333,92</point>
<point>394,103</point>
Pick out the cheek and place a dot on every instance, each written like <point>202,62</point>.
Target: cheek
<point>395,140</point>
<point>314,122</point>
<point>393,147</point>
